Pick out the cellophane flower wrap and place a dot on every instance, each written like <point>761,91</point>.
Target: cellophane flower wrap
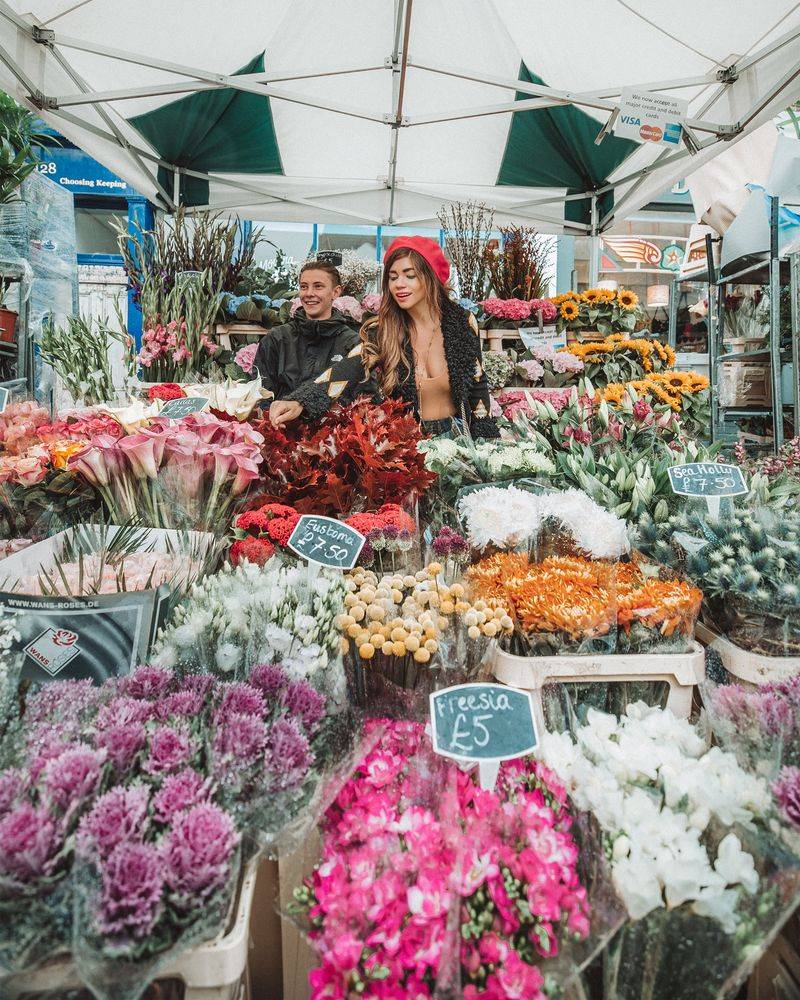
<point>693,851</point>
<point>405,636</point>
<point>184,474</point>
<point>355,459</point>
<point>259,614</point>
<point>429,886</point>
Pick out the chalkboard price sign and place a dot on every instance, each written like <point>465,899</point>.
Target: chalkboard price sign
<point>707,479</point>
<point>326,541</point>
<point>482,722</point>
<point>177,409</point>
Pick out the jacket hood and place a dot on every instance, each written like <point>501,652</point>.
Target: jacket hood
<point>314,328</point>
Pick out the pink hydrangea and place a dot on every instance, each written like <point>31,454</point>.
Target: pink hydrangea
<point>564,362</point>
<point>372,303</point>
<point>531,370</point>
<point>245,357</point>
<point>198,850</point>
<point>350,307</point>
<point>513,309</point>
<point>546,307</point>
<point>132,890</point>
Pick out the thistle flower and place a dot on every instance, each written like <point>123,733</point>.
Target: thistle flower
<point>121,744</point>
<point>270,678</point>
<point>238,741</point>
<point>240,698</point>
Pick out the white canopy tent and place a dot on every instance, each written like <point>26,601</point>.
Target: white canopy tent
<point>379,111</point>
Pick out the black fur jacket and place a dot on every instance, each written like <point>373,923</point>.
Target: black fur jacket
<point>345,380</point>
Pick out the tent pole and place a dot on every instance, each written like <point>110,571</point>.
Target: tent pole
<point>770,95</point>
<point>594,247</point>
<point>399,69</point>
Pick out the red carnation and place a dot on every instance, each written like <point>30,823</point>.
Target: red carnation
<point>165,392</point>
<point>254,550</point>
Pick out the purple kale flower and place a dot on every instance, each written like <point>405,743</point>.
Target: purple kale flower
<point>238,741</point>
<point>29,844</point>
<point>12,785</point>
<point>197,851</point>
<point>120,814</point>
<point>301,699</point>
<point>169,750</point>
<point>239,698</point>
<point>200,684</point>
<point>72,776</point>
<point>288,755</point>
<point>182,704</point>
<point>122,744</point>
<point>180,791</point>
<point>270,678</point>
<point>45,743</point>
<point>61,701</point>
<point>121,711</point>
<point>132,890</point>
<point>735,703</point>
<point>775,713</point>
<point>147,682</point>
<point>787,793</point>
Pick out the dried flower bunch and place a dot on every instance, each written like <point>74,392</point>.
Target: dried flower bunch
<point>518,268</point>
<point>467,228</point>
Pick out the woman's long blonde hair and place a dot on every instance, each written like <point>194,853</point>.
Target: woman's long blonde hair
<point>386,335</point>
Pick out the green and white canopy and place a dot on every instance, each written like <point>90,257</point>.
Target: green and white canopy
<point>380,111</point>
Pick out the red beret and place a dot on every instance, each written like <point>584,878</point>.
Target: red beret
<point>427,248</point>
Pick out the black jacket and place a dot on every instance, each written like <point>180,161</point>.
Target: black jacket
<point>344,381</point>
<point>300,350</point>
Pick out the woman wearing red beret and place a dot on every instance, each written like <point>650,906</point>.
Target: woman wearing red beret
<point>422,347</point>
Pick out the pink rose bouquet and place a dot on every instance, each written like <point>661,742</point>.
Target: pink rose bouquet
<point>173,474</point>
<point>428,883</point>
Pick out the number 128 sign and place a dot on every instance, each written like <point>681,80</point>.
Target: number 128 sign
<point>326,541</point>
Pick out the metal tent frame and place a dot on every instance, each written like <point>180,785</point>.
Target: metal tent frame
<point>56,108</point>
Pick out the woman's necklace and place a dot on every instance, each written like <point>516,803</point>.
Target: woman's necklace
<point>421,365</point>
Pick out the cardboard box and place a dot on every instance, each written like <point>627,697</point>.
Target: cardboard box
<point>96,636</point>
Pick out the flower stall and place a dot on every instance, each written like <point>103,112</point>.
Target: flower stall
<point>185,699</point>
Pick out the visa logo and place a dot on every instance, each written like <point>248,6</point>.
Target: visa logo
<point>629,120</point>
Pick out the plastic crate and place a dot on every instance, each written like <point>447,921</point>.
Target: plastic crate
<point>747,667</point>
<point>681,671</point>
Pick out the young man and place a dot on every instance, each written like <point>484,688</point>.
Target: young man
<point>316,337</point>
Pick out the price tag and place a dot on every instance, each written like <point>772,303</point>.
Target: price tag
<point>547,336</point>
<point>709,480</point>
<point>4,394</point>
<point>177,409</point>
<point>326,541</point>
<point>487,723</point>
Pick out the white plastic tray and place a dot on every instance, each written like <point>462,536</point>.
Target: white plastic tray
<point>531,673</point>
<point>751,668</point>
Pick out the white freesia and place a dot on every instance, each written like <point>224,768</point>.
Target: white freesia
<point>654,787</point>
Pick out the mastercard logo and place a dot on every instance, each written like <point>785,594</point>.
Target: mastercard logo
<point>651,133</point>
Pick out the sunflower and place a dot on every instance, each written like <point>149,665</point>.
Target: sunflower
<point>614,393</point>
<point>569,310</point>
<point>627,299</point>
<point>591,295</point>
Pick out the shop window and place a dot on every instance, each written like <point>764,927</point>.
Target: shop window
<point>94,231</point>
<point>362,239</point>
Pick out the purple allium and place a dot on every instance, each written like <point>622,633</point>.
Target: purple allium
<point>239,739</point>
<point>239,698</point>
<point>29,843</point>
<point>288,755</point>
<point>147,682</point>
<point>72,776</point>
<point>449,543</point>
<point>120,814</point>
<point>300,698</point>
<point>121,711</point>
<point>122,744</point>
<point>62,701</point>
<point>197,851</point>
<point>787,793</point>
<point>270,678</point>
<point>11,787</point>
<point>183,704</point>
<point>169,749</point>
<point>180,791</point>
<point>132,889</point>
